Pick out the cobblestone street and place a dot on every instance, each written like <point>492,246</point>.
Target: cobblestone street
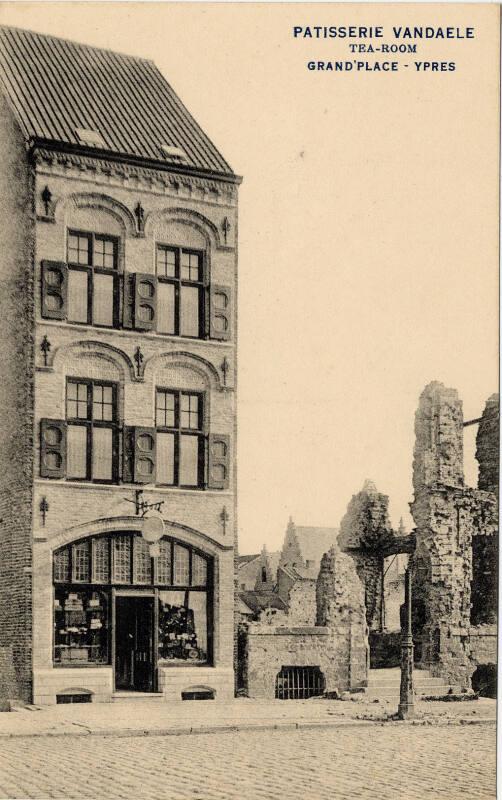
<point>377,762</point>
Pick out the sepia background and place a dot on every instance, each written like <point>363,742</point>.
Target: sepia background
<point>368,231</point>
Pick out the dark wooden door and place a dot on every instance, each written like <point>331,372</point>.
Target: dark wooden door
<point>134,664</point>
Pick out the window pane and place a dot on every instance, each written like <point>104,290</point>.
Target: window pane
<point>166,308</point>
<point>189,311</point>
<point>181,565</point>
<point>142,561</point>
<point>77,295</point>
<point>182,626</point>
<point>62,565</point>
<point>102,454</point>
<point>102,299</point>
<point>80,627</point>
<point>76,402</point>
<point>165,409</point>
<point>164,562</point>
<point>81,562</point>
<point>104,253</point>
<point>190,411</point>
<point>190,267</point>
<point>189,461</point>
<point>79,249</point>
<point>101,560</point>
<point>166,263</point>
<point>165,457</point>
<point>76,455</point>
<point>102,403</point>
<point>121,559</point>
<point>199,570</point>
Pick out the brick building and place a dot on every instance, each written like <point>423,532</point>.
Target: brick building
<point>118,320</point>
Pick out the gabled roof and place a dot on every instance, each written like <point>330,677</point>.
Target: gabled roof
<point>58,88</point>
<point>257,601</point>
<point>314,542</point>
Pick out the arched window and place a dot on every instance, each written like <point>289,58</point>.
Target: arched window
<point>113,577</point>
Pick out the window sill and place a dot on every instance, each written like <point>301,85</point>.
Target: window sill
<point>132,487</point>
<point>133,334</point>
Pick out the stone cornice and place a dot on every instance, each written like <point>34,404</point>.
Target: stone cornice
<point>134,176</point>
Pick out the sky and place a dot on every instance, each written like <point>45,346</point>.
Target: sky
<point>368,230</point>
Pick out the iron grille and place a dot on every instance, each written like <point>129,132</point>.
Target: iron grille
<point>299,683</point>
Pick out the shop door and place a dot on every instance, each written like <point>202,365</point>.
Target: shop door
<point>134,663</point>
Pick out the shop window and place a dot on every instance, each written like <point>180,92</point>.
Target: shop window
<point>83,573</point>
<point>80,627</point>
<point>183,626</point>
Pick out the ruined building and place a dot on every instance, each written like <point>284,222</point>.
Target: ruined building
<point>456,557</point>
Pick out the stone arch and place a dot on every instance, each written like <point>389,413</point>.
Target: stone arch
<point>189,217</point>
<point>102,350</point>
<point>101,202</point>
<point>190,536</point>
<point>191,361</point>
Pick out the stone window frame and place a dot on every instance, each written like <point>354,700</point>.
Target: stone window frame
<point>178,430</point>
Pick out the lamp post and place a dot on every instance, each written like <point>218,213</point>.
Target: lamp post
<point>406,708</point>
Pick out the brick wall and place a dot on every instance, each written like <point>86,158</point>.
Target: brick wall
<point>16,399</point>
<point>183,214</point>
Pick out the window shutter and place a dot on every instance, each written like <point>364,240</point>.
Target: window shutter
<point>218,461</point>
<point>52,448</point>
<point>54,289</point>
<point>220,312</point>
<point>145,302</point>
<point>139,455</point>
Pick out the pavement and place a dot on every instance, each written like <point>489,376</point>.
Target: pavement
<point>146,718</point>
<point>372,762</point>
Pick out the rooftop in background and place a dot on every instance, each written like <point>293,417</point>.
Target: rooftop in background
<point>85,98</point>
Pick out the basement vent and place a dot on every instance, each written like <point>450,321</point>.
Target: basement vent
<point>173,153</point>
<point>198,693</point>
<point>90,137</point>
<point>74,696</point>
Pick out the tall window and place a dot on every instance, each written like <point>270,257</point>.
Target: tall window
<point>180,441</point>
<point>92,279</point>
<point>180,304</point>
<point>92,432</point>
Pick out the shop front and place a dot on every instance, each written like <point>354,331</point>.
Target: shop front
<point>116,606</point>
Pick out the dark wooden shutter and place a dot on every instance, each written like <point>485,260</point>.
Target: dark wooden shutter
<point>52,448</point>
<point>139,455</point>
<point>218,469</point>
<point>220,312</point>
<point>145,302</point>
<point>54,289</point>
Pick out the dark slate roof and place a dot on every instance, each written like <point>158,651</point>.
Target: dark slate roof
<point>56,86</point>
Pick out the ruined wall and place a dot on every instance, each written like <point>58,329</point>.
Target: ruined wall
<point>487,446</point>
<point>338,644</point>
<point>364,530</point>
<point>302,603</point>
<point>450,522</point>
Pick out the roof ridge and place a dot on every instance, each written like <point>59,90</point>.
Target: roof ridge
<point>75,43</point>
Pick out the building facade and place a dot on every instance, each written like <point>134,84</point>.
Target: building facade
<point>118,359</point>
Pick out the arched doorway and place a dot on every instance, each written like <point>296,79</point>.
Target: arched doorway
<point>116,605</point>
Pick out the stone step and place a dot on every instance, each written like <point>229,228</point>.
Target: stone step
<point>420,691</point>
<point>145,697</point>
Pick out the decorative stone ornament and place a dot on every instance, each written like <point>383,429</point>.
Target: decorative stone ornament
<point>139,213</point>
<point>225,227</point>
